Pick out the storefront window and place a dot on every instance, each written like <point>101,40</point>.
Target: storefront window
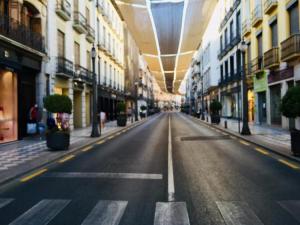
<point>8,107</point>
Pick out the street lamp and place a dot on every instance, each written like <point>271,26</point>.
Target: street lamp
<point>136,97</point>
<point>95,131</point>
<point>245,129</point>
<point>202,99</point>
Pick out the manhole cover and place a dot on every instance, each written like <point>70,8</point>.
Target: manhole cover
<point>205,138</point>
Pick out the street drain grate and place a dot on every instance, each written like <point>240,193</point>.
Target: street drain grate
<point>205,138</point>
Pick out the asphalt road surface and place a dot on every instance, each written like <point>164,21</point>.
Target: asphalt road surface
<point>170,170</point>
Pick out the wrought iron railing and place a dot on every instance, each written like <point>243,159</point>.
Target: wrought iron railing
<point>257,64</point>
<point>64,66</point>
<point>80,19</point>
<point>290,47</point>
<point>17,31</point>
<point>64,5</point>
<point>257,14</point>
<point>271,57</point>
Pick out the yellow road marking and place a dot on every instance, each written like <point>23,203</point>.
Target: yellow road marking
<point>287,163</point>
<point>111,137</point>
<point>100,142</point>
<point>87,148</point>
<point>244,143</point>
<point>66,158</point>
<point>29,177</point>
<point>262,151</point>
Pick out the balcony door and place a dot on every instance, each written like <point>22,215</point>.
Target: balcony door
<point>294,19</point>
<point>76,53</point>
<point>60,44</point>
<point>274,34</point>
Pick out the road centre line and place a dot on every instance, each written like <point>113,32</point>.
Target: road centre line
<point>101,142</point>
<point>289,164</point>
<point>31,176</point>
<point>171,186</point>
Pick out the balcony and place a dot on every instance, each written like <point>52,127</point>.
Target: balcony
<point>16,31</point>
<point>246,27</point>
<point>257,16</point>
<point>64,67</point>
<point>270,5</point>
<point>63,9</point>
<point>82,74</point>
<point>100,7</point>
<point>80,22</point>
<point>90,36</point>
<point>290,48</point>
<point>271,58</point>
<point>257,64</point>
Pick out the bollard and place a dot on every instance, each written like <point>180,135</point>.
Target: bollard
<point>225,124</point>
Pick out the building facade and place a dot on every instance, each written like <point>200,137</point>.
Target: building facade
<point>230,59</point>
<point>271,29</point>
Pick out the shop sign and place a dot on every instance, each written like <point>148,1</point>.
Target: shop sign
<point>275,76</point>
<point>260,82</point>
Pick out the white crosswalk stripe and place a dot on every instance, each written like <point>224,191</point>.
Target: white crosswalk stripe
<point>106,213</point>
<point>171,213</point>
<point>237,213</point>
<point>5,201</point>
<point>293,207</point>
<point>42,213</point>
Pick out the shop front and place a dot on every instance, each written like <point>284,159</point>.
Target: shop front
<point>231,102</point>
<point>260,84</point>
<point>18,73</point>
<point>8,106</point>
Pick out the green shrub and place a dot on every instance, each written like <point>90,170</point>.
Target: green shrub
<point>121,107</point>
<point>215,106</point>
<point>58,104</point>
<point>290,103</point>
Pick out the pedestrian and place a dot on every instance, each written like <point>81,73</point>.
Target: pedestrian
<point>102,119</point>
<point>32,124</point>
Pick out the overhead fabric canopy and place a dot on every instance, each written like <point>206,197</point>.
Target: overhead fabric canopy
<point>168,33</point>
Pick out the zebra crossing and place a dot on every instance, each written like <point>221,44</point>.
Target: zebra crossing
<point>106,212</point>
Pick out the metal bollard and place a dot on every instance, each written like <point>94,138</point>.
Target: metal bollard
<point>225,124</point>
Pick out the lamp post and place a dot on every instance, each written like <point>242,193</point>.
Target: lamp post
<point>202,99</point>
<point>245,129</point>
<point>95,131</point>
<point>136,101</point>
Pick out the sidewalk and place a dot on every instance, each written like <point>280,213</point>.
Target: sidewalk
<point>22,156</point>
<point>274,139</point>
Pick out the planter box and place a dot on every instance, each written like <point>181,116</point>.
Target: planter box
<point>121,120</point>
<point>58,141</point>
<point>295,142</point>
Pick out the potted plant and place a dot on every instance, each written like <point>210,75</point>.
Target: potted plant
<point>290,108</point>
<point>215,108</point>
<point>121,114</point>
<point>143,113</point>
<point>58,132</point>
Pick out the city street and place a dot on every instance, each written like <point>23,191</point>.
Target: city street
<point>127,180</point>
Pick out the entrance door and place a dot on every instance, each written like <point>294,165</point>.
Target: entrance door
<point>275,94</point>
<point>77,109</point>
<point>262,112</point>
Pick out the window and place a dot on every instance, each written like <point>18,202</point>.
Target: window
<point>231,30</point>
<point>231,65</point>
<point>238,61</point>
<point>294,19</point>
<point>87,14</point>
<point>98,30</point>
<point>88,60</point>
<point>61,43</point>
<point>105,72</point>
<point>221,70</point>
<point>221,42</point>
<point>259,45</point>
<point>238,24</point>
<point>104,36</point>
<point>274,34</point>
<point>226,69</point>
<point>99,70</point>
<point>226,36</point>
<point>76,53</point>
